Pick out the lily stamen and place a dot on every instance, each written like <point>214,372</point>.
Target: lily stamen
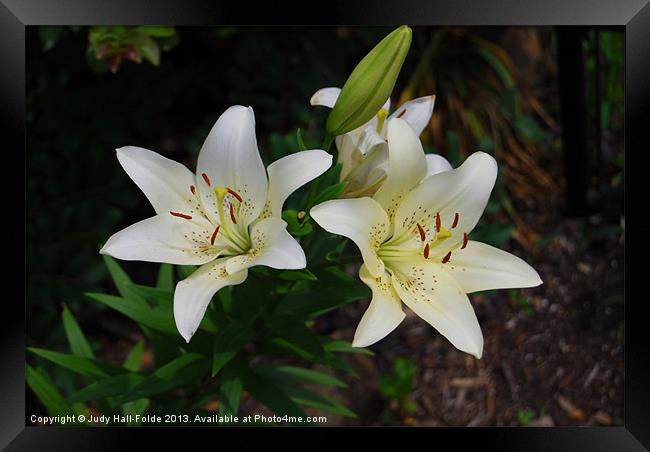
<point>206,179</point>
<point>438,222</point>
<point>423,235</point>
<point>465,240</point>
<point>232,213</point>
<point>235,194</point>
<point>214,235</point>
<point>426,251</point>
<point>193,189</point>
<point>402,113</point>
<point>446,258</point>
<point>455,223</point>
<point>181,215</point>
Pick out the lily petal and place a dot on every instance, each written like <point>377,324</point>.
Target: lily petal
<point>435,296</point>
<point>192,295</point>
<point>416,112</point>
<point>272,246</point>
<point>362,220</point>
<point>325,97</point>
<point>164,239</point>
<point>230,158</point>
<point>291,172</point>
<point>483,267</point>
<point>165,183</point>
<point>464,191</point>
<point>436,164</point>
<point>407,165</point>
<point>384,313</point>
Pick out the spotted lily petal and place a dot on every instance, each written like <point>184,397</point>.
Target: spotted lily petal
<point>434,295</point>
<point>384,313</point>
<point>163,238</point>
<point>230,158</point>
<point>483,267</point>
<point>362,220</point>
<point>193,294</point>
<point>272,246</point>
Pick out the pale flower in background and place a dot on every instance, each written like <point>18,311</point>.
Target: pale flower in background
<point>226,217</point>
<point>363,153</point>
<point>414,239</point>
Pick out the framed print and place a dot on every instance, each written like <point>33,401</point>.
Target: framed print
<point>408,214</point>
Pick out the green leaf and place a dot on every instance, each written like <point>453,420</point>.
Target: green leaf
<point>230,396</point>
<point>108,387</point>
<point>133,360</point>
<point>292,374</point>
<point>78,364</point>
<point>293,334</point>
<point>301,142</point>
<point>267,392</point>
<point>312,399</point>
<point>139,312</point>
<point>228,343</point>
<point>344,347</point>
<point>135,407</point>
<point>184,271</point>
<point>165,280</point>
<point>78,343</point>
<point>184,369</point>
<point>331,192</point>
<point>526,126</point>
<point>295,226</point>
<point>46,391</point>
<point>159,296</point>
<point>297,275</point>
<point>120,278</point>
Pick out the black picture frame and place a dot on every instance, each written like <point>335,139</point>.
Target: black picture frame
<point>15,15</point>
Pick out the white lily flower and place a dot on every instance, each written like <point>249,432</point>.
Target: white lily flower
<point>363,153</point>
<point>225,218</point>
<point>413,237</point>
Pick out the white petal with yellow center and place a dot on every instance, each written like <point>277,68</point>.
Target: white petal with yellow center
<point>230,158</point>
<point>272,246</point>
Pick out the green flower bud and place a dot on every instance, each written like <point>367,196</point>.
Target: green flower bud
<point>370,84</point>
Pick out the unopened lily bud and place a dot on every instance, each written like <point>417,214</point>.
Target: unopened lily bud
<point>370,84</point>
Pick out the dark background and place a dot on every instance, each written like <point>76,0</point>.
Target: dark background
<point>553,354</point>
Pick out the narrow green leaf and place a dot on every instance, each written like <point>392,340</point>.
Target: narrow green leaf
<point>120,278</point>
<point>230,396</point>
<point>292,374</point>
<point>228,343</point>
<point>135,407</point>
<point>185,271</point>
<point>108,387</point>
<point>184,369</point>
<point>297,275</point>
<point>133,360</point>
<point>331,192</point>
<point>309,398</point>
<point>76,339</point>
<point>301,142</point>
<point>165,280</point>
<point>46,391</point>
<point>139,312</point>
<point>78,364</point>
<point>267,392</point>
<point>344,346</point>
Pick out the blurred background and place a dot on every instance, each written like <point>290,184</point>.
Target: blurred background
<point>546,102</point>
